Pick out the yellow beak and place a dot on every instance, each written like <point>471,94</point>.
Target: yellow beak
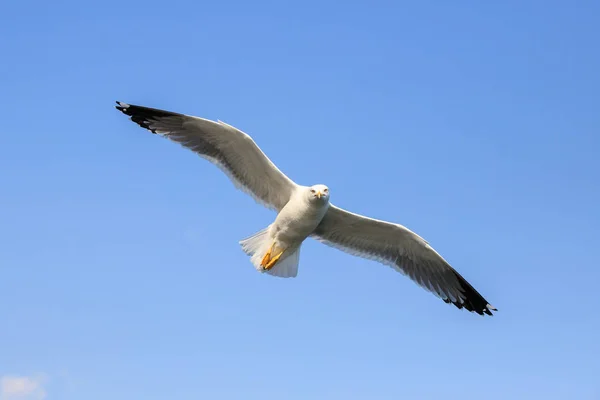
<point>319,194</point>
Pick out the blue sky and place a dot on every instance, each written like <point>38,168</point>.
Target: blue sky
<point>473,123</point>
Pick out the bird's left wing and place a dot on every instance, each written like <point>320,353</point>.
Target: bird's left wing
<point>233,151</point>
<point>402,249</point>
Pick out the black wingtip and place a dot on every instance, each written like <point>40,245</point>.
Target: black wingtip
<point>121,106</point>
<point>472,301</point>
<point>144,115</point>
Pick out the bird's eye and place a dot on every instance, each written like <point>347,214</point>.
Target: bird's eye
<point>325,190</point>
<point>312,190</point>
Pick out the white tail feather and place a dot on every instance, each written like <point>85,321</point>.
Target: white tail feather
<point>258,244</point>
<point>287,266</point>
<point>254,244</point>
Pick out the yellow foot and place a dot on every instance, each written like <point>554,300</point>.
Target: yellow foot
<point>272,262</point>
<point>267,256</point>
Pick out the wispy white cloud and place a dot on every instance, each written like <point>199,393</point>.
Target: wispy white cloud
<point>13,387</point>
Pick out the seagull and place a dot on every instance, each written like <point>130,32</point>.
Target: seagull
<point>305,211</point>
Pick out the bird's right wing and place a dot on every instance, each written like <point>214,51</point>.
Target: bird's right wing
<point>404,250</point>
<point>233,151</point>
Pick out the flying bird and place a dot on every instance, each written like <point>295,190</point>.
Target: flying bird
<point>305,211</point>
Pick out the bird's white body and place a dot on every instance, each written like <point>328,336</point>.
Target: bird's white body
<point>297,219</point>
<point>294,223</point>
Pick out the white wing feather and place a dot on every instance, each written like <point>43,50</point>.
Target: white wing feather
<point>402,249</point>
<point>230,149</point>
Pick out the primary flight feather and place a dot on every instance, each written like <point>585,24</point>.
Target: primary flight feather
<point>304,211</point>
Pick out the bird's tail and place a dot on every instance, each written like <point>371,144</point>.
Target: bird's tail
<point>256,247</point>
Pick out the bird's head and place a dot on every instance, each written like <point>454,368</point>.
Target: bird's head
<point>318,193</point>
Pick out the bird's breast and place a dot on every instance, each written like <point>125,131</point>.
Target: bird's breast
<point>297,220</point>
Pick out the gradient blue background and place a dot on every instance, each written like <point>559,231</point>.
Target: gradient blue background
<point>473,123</point>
